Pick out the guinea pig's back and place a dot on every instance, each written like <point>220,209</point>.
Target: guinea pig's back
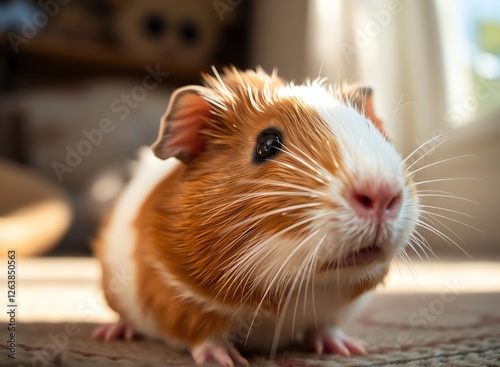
<point>120,236</point>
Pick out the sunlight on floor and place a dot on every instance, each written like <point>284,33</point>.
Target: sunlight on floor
<point>434,277</point>
<point>56,289</point>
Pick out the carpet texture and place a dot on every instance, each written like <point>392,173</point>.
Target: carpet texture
<point>443,329</point>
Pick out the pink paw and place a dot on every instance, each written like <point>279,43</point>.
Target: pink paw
<point>219,351</point>
<point>334,341</point>
<point>119,330</point>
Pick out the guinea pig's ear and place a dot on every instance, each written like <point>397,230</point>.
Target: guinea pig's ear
<point>180,127</point>
<point>361,98</point>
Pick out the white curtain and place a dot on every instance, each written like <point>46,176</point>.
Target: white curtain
<point>408,51</point>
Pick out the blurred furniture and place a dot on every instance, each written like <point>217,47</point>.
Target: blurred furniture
<point>60,62</point>
<point>89,39</point>
<point>34,213</point>
<point>69,64</point>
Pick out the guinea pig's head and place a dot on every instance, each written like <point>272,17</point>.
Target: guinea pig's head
<point>285,181</point>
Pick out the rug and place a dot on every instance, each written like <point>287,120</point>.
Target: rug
<point>401,330</point>
<point>449,325</point>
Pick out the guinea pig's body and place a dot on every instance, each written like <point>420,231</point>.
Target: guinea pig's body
<point>277,208</point>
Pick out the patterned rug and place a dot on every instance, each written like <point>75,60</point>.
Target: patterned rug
<point>444,329</point>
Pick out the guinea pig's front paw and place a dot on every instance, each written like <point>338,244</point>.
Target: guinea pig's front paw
<point>333,340</point>
<point>118,330</point>
<point>218,350</point>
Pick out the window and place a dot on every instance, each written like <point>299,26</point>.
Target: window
<point>479,22</point>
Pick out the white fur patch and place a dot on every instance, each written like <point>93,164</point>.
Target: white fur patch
<point>363,148</point>
<point>120,239</point>
<point>367,158</point>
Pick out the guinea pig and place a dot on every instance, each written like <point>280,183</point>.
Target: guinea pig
<point>261,202</point>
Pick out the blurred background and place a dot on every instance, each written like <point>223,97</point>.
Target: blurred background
<point>83,84</point>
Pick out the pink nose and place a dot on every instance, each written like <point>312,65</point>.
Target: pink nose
<point>377,201</point>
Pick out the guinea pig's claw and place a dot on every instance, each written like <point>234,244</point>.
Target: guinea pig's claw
<point>334,341</point>
<point>220,351</point>
<point>118,330</point>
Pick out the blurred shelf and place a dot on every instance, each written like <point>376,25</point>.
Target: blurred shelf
<point>51,60</point>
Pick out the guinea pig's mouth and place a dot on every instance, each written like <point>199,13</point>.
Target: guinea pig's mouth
<point>361,257</point>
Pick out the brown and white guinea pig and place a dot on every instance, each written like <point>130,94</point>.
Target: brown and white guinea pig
<point>276,203</point>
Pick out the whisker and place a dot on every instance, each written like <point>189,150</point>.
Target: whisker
<point>277,274</point>
<point>440,234</point>
<point>446,196</point>
<point>397,109</point>
<point>410,245</point>
<point>429,227</point>
<point>281,318</point>
<point>397,264</point>
<point>302,189</point>
<point>287,151</point>
<point>307,276</point>
<point>433,221</point>
<point>315,165</point>
<point>245,197</point>
<point>313,270</point>
<point>280,321</point>
<point>268,214</point>
<point>275,193</point>
<point>407,261</point>
<point>423,145</point>
<point>416,242</point>
<point>451,219</point>
<point>304,265</point>
<point>441,161</point>
<point>262,246</point>
<point>425,244</point>
<point>446,209</point>
<point>285,184</point>
<point>445,179</point>
<point>299,170</point>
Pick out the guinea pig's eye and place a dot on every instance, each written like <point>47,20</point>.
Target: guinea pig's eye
<point>268,145</point>
<point>154,25</point>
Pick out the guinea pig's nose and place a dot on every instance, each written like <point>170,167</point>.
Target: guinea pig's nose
<point>377,201</point>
